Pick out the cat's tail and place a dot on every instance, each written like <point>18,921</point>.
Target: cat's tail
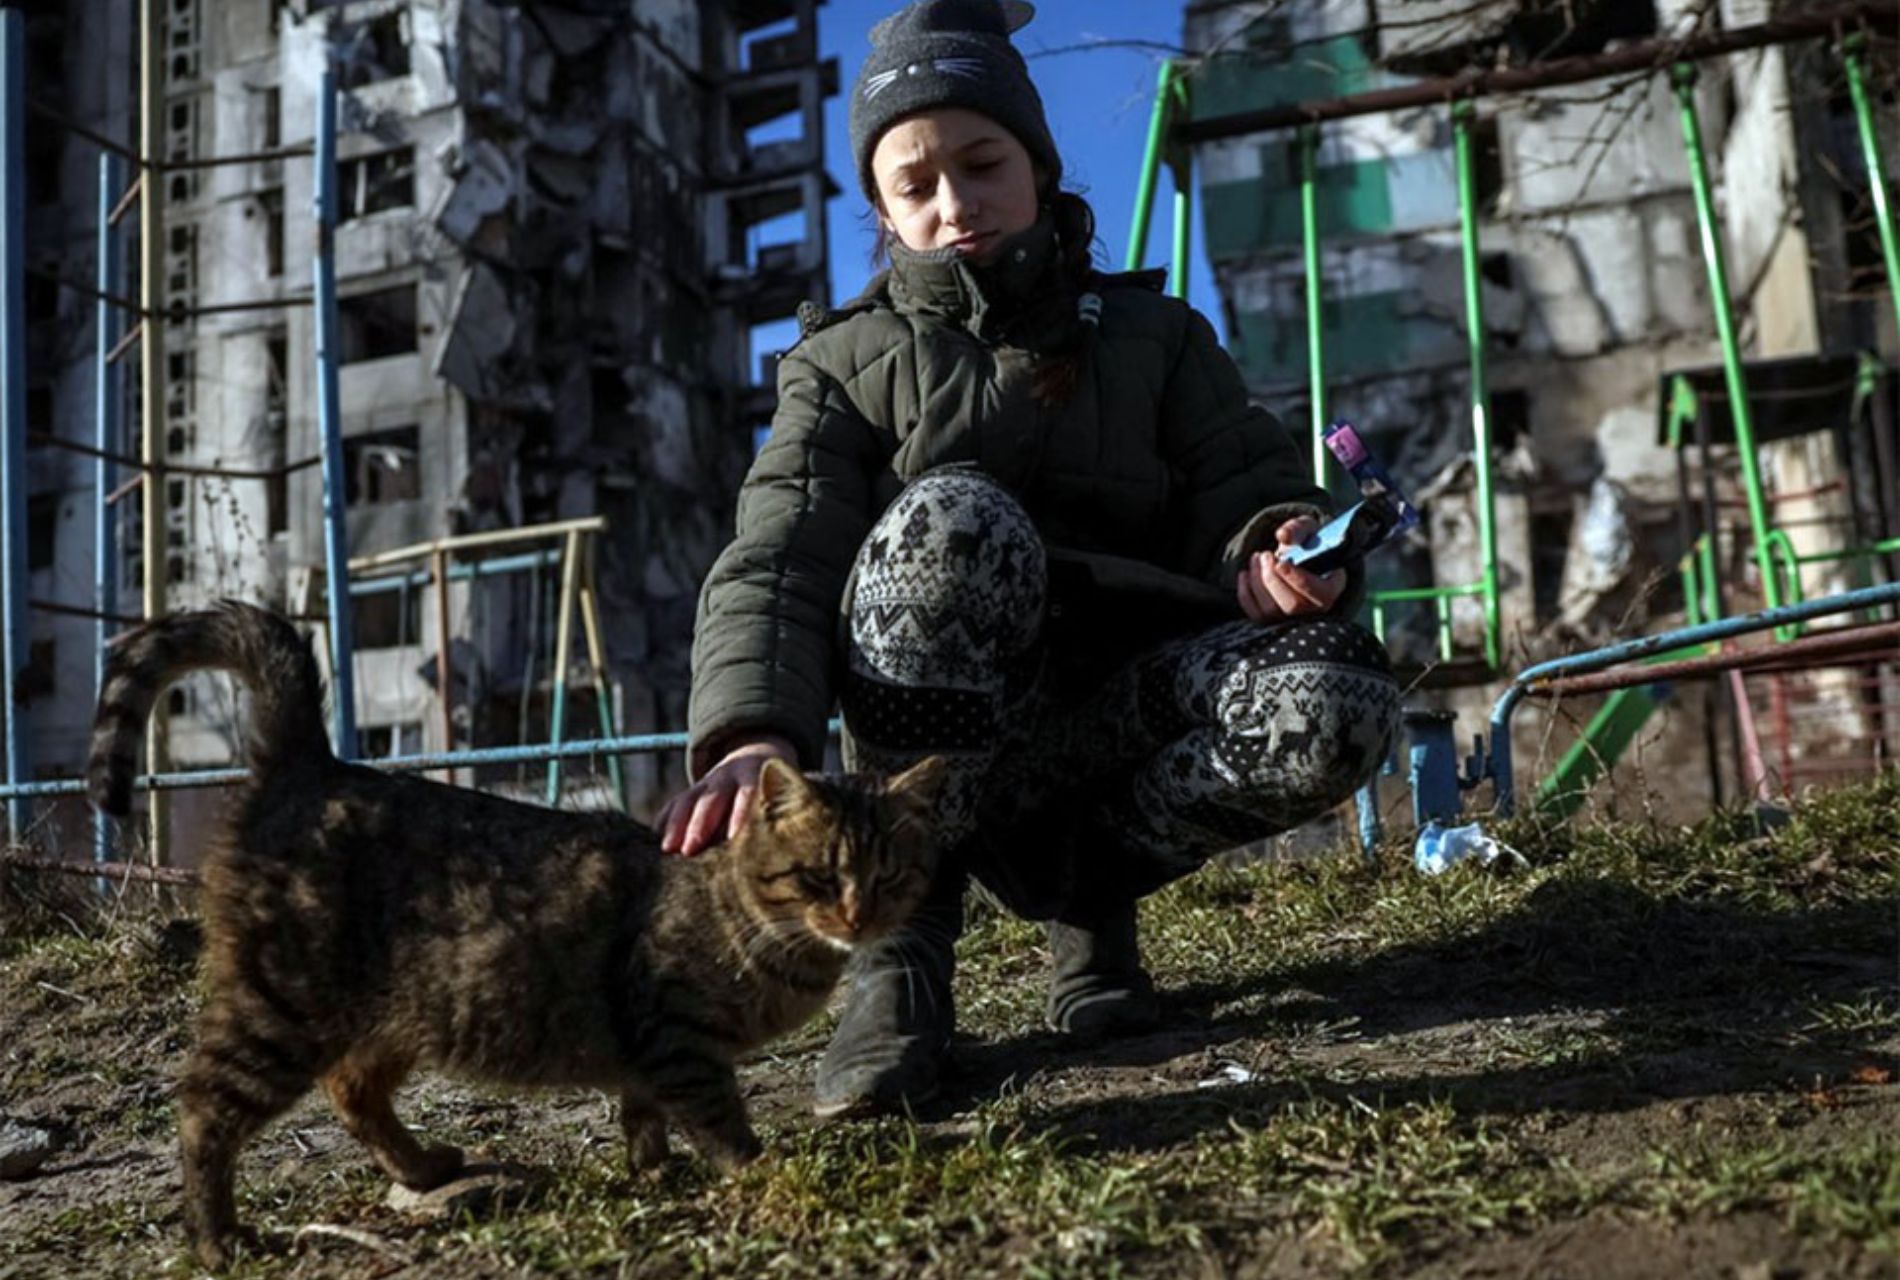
<point>257,646</point>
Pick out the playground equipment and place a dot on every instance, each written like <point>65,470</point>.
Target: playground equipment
<point>1175,126</point>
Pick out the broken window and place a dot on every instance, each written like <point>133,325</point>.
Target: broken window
<point>1860,229</point>
<point>1550,550</point>
<point>388,619</point>
<point>775,46</point>
<point>1269,36</point>
<point>42,528</point>
<point>1531,31</point>
<point>271,202</point>
<point>271,113</point>
<point>374,50</point>
<point>276,402</point>
<point>39,407</point>
<point>381,741</point>
<point>42,298</point>
<point>45,146</point>
<point>371,184</point>
<point>382,466</point>
<point>36,678</point>
<point>1510,417</point>
<point>373,325</point>
<point>1487,163</point>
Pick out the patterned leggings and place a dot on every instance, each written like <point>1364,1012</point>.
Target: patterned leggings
<point>1195,747</point>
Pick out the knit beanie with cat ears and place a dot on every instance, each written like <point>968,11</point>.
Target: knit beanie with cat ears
<point>949,53</point>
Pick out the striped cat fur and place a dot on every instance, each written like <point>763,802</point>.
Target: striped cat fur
<point>361,924</point>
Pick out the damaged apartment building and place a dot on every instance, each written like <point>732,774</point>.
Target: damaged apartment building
<point>561,229</point>
<point>1594,288</point>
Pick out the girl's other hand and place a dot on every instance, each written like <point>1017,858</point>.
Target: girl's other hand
<point>1270,591</point>
<point>714,809</point>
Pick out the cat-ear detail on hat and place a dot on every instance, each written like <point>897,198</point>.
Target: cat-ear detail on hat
<point>978,17</point>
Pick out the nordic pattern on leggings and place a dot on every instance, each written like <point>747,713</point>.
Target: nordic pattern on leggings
<point>1288,720</point>
<point>943,615</point>
<point>1208,742</point>
<point>949,586</point>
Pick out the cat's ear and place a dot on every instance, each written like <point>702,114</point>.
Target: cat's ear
<point>922,782</point>
<point>782,790</point>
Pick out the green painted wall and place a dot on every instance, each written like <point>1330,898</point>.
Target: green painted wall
<point>1370,333</point>
<point>1246,217</point>
<point>1261,76</point>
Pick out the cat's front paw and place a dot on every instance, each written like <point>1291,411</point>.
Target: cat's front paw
<point>438,1164</point>
<point>647,1148</point>
<point>216,1250</point>
<point>731,1156</point>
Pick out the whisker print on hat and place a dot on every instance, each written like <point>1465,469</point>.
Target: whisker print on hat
<point>968,68</point>
<point>950,53</point>
<point>874,85</point>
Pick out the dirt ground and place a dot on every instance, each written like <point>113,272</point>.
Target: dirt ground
<point>1654,1053</point>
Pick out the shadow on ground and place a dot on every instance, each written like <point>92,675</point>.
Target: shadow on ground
<point>1683,1000</point>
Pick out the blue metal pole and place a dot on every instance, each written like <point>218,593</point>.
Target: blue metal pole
<point>1366,801</point>
<point>634,744</point>
<point>457,573</point>
<point>1433,762</point>
<point>1499,765</point>
<point>335,534</point>
<point>105,438</point>
<point>13,426</point>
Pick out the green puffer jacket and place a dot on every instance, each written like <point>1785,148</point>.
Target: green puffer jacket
<point>1149,484</point>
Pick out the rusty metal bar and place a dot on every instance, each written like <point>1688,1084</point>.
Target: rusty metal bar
<point>1848,645</point>
<point>81,131</point>
<point>81,611</point>
<point>127,460</point>
<point>223,308</point>
<point>1645,55</point>
<point>163,166</point>
<point>242,157</point>
<point>181,876</point>
<point>118,300</point>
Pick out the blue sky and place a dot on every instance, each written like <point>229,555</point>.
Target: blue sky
<point>1098,103</point>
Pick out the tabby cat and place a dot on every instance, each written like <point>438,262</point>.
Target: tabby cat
<point>359,924</point>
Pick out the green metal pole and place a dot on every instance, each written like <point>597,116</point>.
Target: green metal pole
<point>1183,223</point>
<point>1151,166</point>
<point>1853,52</point>
<point>1684,76</point>
<point>1315,341</point>
<point>1461,115</point>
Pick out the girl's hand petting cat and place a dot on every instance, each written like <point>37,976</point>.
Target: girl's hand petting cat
<point>714,809</point>
<point>1271,591</point>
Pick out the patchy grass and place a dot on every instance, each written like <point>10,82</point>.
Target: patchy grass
<point>1649,1038</point>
